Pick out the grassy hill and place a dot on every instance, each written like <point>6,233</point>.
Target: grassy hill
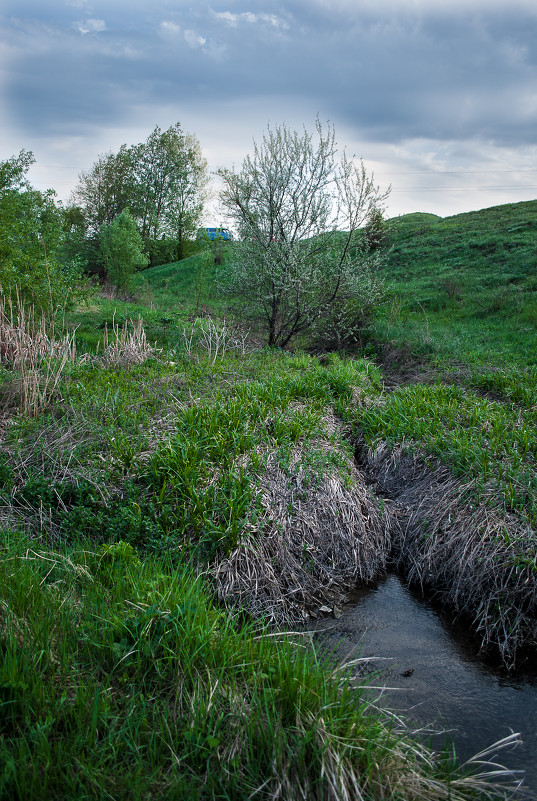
<point>465,287</point>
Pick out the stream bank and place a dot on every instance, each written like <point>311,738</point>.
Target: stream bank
<point>477,559</point>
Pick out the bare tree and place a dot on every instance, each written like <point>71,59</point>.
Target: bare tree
<point>298,209</point>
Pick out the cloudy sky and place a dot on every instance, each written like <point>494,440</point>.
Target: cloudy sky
<point>439,97</point>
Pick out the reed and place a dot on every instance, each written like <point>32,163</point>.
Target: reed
<point>126,345</point>
<point>33,353</point>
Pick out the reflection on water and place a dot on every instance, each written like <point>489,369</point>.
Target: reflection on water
<point>439,678</point>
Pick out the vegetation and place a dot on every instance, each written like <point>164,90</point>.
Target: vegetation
<point>458,340</point>
<point>31,270</point>
<point>162,183</point>
<point>123,679</point>
<point>463,288</point>
<point>119,671</point>
<point>292,268</point>
<point>478,337</point>
<point>121,248</point>
<point>172,490</point>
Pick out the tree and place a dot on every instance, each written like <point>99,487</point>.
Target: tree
<point>106,189</point>
<point>122,250</point>
<point>13,172</point>
<point>375,230</point>
<point>298,210</point>
<point>170,173</point>
<point>31,233</point>
<point>183,213</point>
<point>161,181</point>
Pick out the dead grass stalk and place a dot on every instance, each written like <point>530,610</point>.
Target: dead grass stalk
<point>35,355</point>
<point>126,345</point>
<point>316,542</point>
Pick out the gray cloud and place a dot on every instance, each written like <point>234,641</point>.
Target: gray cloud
<point>389,73</point>
<point>442,75</point>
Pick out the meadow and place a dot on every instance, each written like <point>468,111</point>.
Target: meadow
<point>181,495</point>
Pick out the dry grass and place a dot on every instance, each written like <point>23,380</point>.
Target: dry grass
<point>479,560</point>
<point>215,338</point>
<point>125,346</point>
<point>315,543</point>
<point>35,356</point>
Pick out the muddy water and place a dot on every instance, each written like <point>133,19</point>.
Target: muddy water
<point>440,679</point>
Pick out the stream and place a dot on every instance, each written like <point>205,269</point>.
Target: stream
<point>439,677</point>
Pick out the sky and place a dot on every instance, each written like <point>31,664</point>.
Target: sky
<point>438,97</point>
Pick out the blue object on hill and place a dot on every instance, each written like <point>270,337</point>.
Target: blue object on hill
<point>214,233</point>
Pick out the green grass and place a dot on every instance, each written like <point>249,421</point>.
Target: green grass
<point>120,679</point>
<point>464,288</point>
<point>493,443</point>
<point>120,676</point>
<point>463,302</point>
<point>130,472</point>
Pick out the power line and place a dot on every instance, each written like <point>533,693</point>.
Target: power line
<point>458,172</point>
<point>463,188</point>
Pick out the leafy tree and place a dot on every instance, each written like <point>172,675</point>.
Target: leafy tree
<point>106,189</point>
<point>122,250</point>
<point>375,230</point>
<point>31,234</point>
<point>298,210</point>
<point>161,181</point>
<point>171,174</point>
<point>183,213</point>
<point>77,244</point>
<point>13,171</point>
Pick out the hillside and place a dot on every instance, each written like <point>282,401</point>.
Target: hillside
<point>497,245</point>
<point>464,287</point>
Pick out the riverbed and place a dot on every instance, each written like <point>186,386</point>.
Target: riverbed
<point>440,679</point>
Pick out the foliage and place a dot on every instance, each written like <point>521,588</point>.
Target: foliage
<point>375,229</point>
<point>342,326</point>
<point>31,227</point>
<point>103,638</point>
<point>183,211</point>
<point>121,247</point>
<point>124,680</point>
<point>13,171</point>
<point>79,245</point>
<point>106,190</point>
<point>288,203</point>
<point>113,656</point>
<point>161,181</point>
<point>164,250</point>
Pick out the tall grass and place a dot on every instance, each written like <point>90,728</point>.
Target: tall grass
<point>120,676</point>
<point>120,679</point>
<point>126,345</point>
<point>34,355</point>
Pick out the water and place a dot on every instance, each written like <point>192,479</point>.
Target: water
<point>439,677</point>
